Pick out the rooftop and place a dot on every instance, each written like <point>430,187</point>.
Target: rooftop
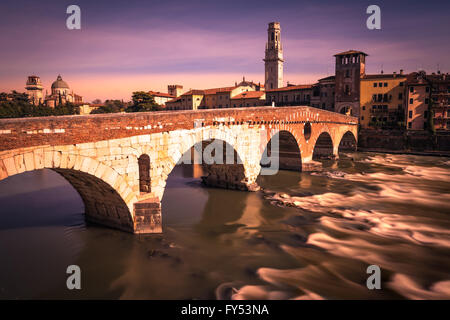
<point>291,88</point>
<point>350,52</point>
<point>249,95</point>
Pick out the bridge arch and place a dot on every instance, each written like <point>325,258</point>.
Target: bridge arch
<point>182,143</point>
<point>347,142</point>
<point>284,146</point>
<point>323,146</point>
<point>107,198</point>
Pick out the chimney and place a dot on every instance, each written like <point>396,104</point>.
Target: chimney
<point>394,74</point>
<point>401,71</point>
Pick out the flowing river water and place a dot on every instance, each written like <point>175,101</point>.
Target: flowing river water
<point>304,236</point>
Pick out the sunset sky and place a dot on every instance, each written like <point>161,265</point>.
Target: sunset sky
<point>125,46</point>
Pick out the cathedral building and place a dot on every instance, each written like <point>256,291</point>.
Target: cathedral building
<point>60,92</point>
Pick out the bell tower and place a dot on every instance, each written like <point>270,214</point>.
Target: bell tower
<point>34,90</point>
<point>274,57</point>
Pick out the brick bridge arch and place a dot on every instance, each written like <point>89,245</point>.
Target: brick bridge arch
<point>107,197</point>
<point>102,152</point>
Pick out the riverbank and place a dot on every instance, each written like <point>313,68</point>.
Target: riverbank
<point>404,142</point>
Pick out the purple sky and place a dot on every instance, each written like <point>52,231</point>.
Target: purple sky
<point>131,45</point>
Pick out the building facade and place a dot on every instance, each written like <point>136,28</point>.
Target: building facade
<point>350,67</point>
<point>273,61</point>
<point>428,105</point>
<point>382,101</point>
<point>217,98</point>
<point>161,98</point>
<point>292,95</point>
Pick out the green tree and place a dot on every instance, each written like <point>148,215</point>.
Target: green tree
<point>142,101</point>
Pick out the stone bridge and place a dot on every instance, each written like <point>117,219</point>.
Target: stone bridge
<point>119,163</point>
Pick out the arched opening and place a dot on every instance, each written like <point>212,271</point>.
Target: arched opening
<point>323,148</point>
<point>347,110</point>
<point>282,152</point>
<point>347,143</point>
<point>200,178</point>
<point>102,203</point>
<point>43,230</point>
<point>144,174</point>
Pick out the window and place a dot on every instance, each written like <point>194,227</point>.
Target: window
<point>427,101</point>
<point>425,114</point>
<point>401,84</point>
<point>362,118</point>
<point>347,73</point>
<point>400,96</point>
<point>427,89</point>
<point>374,107</point>
<point>410,114</point>
<point>409,125</point>
<point>425,125</point>
<point>374,97</point>
<point>364,107</point>
<point>374,84</point>
<point>380,84</point>
<point>411,89</point>
<point>385,84</point>
<point>411,101</point>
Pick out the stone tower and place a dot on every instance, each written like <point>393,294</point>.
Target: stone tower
<point>350,68</point>
<point>34,90</point>
<point>274,57</point>
<point>175,90</point>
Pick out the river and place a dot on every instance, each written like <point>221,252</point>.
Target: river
<point>304,236</point>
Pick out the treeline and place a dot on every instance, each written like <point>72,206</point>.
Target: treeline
<point>17,105</point>
<point>141,102</point>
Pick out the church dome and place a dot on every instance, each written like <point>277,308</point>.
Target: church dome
<point>60,84</point>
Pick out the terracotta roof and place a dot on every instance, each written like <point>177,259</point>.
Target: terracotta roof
<point>160,94</point>
<point>194,92</point>
<point>383,76</point>
<point>217,90</point>
<point>328,78</point>
<point>291,88</point>
<point>350,52</point>
<point>249,95</point>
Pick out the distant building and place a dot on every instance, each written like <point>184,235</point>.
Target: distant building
<point>273,58</point>
<point>350,67</point>
<point>326,88</point>
<point>428,101</point>
<point>249,99</point>
<point>175,90</point>
<point>292,95</point>
<point>34,90</point>
<point>160,97</point>
<point>216,97</point>
<point>60,94</point>
<point>383,100</point>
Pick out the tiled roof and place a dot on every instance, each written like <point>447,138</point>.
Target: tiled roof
<point>161,94</point>
<point>217,90</point>
<point>249,95</point>
<point>292,88</point>
<point>328,78</point>
<point>350,52</point>
<point>382,76</point>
